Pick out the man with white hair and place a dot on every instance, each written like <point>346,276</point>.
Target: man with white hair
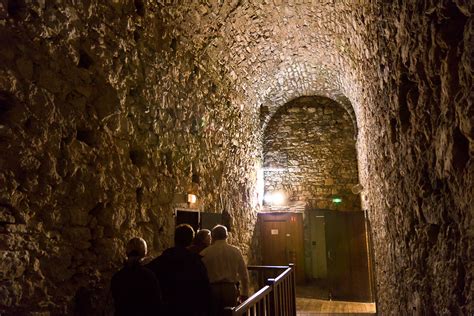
<point>135,289</point>
<point>225,267</point>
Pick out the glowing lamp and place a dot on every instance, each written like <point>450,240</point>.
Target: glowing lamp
<point>192,198</point>
<point>336,200</point>
<point>276,198</point>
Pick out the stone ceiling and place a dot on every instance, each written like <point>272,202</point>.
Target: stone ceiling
<point>276,51</point>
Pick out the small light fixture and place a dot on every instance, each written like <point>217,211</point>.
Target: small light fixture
<point>275,198</point>
<point>192,198</point>
<point>336,200</point>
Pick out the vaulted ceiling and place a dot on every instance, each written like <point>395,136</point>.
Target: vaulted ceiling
<point>275,52</point>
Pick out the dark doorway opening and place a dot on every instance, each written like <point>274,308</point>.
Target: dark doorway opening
<point>197,219</point>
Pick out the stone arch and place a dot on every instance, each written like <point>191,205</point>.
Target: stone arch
<point>312,138</point>
<point>300,78</point>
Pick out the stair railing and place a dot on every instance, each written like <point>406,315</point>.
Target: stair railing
<point>276,298</point>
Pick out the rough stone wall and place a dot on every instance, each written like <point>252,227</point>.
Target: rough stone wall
<point>106,119</point>
<point>309,153</point>
<point>420,173</point>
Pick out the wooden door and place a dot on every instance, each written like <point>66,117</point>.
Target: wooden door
<point>358,246</point>
<point>338,256</point>
<point>275,243</point>
<point>347,256</point>
<point>317,241</point>
<point>282,240</point>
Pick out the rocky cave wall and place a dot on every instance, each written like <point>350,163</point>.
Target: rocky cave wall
<point>309,153</point>
<point>106,119</point>
<point>419,133</point>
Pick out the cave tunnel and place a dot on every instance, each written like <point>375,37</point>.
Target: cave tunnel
<point>113,113</point>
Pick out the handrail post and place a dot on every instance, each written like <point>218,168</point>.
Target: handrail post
<point>229,311</point>
<point>271,283</point>
<point>293,287</point>
<point>276,298</point>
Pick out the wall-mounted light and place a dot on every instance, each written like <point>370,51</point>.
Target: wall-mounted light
<point>192,198</point>
<point>275,198</point>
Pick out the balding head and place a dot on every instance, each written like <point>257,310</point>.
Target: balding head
<point>219,232</point>
<point>136,247</point>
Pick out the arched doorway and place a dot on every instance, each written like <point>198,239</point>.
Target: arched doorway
<point>310,169</point>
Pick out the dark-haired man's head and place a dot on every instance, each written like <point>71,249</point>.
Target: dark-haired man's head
<point>183,235</point>
<point>219,232</point>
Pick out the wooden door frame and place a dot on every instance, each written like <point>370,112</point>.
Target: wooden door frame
<point>296,231</point>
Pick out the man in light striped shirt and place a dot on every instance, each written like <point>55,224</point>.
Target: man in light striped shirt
<point>225,268</point>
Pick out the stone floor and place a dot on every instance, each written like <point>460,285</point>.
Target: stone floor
<point>312,299</point>
<point>311,306</point>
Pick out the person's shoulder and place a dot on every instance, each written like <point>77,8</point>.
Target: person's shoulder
<point>117,275</point>
<point>166,254</point>
<point>145,269</point>
<point>156,262</point>
<point>147,273</point>
<point>193,248</point>
<point>207,249</point>
<point>193,256</point>
<point>152,263</point>
<point>147,260</point>
<point>121,275</point>
<point>235,249</point>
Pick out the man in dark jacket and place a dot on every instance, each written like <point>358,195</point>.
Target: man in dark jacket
<point>135,288</point>
<point>183,277</point>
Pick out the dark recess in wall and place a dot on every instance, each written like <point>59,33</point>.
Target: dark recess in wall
<point>85,61</point>
<point>138,157</point>
<point>16,8</point>
<point>139,7</point>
